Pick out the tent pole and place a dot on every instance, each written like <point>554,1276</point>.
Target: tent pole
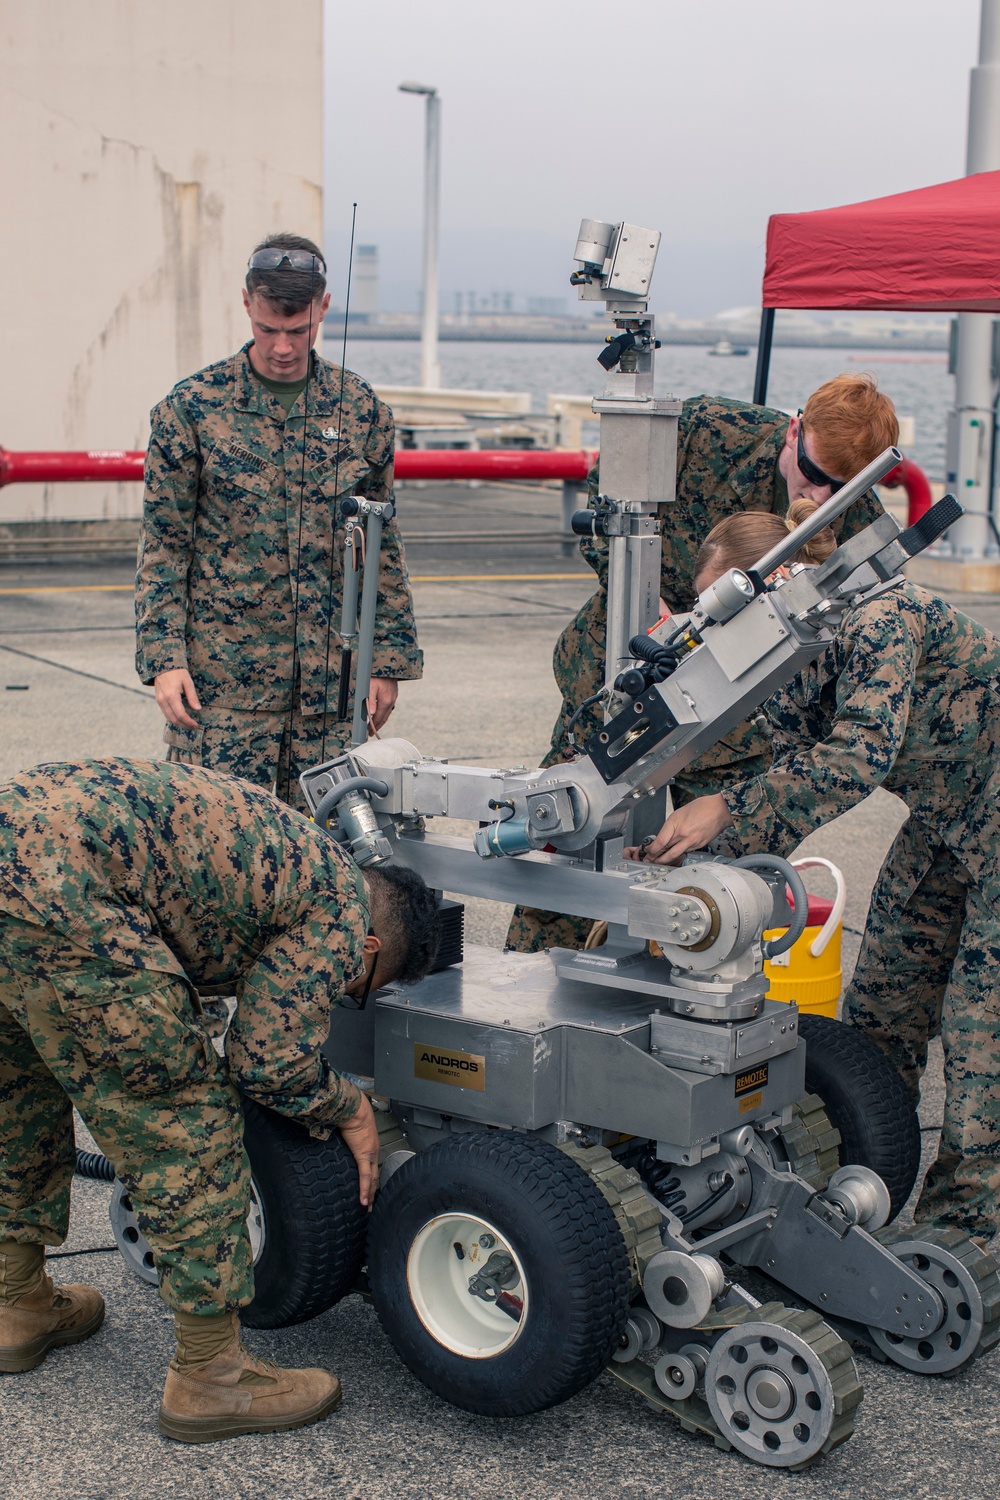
<point>969,429</point>
<point>763,356</point>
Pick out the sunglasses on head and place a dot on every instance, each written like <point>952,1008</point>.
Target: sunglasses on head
<point>812,472</point>
<point>273,256</point>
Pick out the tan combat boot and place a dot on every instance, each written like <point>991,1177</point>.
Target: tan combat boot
<point>230,1392</point>
<point>36,1316</point>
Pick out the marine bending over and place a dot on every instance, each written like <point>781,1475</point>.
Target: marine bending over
<point>124,887</point>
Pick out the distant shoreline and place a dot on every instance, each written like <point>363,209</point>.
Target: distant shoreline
<point>902,343</point>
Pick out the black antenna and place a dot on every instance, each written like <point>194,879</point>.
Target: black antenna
<point>345,665</point>
<point>298,545</point>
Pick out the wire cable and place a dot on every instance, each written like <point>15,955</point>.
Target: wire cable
<point>336,493</point>
<point>587,703</point>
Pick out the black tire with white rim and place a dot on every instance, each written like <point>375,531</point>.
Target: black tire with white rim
<point>499,1272</point>
<point>315,1224</point>
<point>866,1101</point>
<point>307,1224</point>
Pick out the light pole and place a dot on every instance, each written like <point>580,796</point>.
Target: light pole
<point>970,422</point>
<point>430,369</point>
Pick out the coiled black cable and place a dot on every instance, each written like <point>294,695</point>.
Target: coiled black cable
<point>661,657</point>
<point>95,1166</point>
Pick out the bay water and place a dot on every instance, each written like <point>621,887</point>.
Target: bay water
<point>919,384</point>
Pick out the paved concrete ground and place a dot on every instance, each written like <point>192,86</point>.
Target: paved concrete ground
<point>83,1425</point>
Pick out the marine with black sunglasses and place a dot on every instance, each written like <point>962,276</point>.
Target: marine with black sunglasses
<point>731,457</point>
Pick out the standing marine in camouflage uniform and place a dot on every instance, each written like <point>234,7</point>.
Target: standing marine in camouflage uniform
<point>123,887</point>
<point>731,457</point>
<point>906,697</point>
<point>240,577</point>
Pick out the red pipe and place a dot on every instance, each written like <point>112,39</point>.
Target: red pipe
<point>411,463</point>
<point>916,484</point>
<point>502,463</point>
<point>50,468</point>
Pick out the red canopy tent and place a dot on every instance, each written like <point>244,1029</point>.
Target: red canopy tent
<point>936,249</point>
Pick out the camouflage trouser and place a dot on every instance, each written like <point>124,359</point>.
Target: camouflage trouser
<point>124,1046</point>
<point>929,965</point>
<point>269,749</point>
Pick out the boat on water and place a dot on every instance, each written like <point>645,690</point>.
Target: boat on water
<point>724,347</point>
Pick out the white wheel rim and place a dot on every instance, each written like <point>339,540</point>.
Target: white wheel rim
<point>256,1224</point>
<point>134,1246</point>
<point>438,1278</point>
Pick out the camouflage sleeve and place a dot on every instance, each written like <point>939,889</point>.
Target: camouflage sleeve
<point>744,752</point>
<point>282,1020</point>
<point>397,654</point>
<point>879,652</point>
<point>594,549</point>
<point>861,514</point>
<point>166,542</point>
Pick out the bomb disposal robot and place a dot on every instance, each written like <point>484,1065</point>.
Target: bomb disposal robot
<point>582,1148</point>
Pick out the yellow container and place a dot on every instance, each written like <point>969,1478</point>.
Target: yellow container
<point>810,972</point>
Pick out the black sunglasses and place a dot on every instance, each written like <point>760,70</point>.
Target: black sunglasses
<point>273,257</point>
<point>812,471</point>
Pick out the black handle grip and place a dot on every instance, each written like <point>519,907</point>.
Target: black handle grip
<point>345,682</point>
<point>932,524</point>
<point>615,348</point>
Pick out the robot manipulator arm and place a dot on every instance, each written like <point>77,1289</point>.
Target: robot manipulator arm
<point>383,782</point>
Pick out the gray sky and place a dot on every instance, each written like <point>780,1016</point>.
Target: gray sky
<point>697,117</point>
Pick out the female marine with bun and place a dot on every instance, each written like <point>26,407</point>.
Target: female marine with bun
<point>905,697</point>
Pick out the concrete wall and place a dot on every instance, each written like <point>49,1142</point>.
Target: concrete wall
<point>148,144</point>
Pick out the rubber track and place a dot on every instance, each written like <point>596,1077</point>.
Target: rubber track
<point>330,1236</point>
<point>638,1217</point>
<point>981,1266</point>
<point>811,1143</point>
<point>694,1413</point>
<point>593,1258</point>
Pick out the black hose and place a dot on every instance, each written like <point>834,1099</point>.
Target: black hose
<point>662,657</point>
<point>336,793</point>
<point>95,1166</point>
<point>772,947</point>
<point>587,703</point>
<point>697,1209</point>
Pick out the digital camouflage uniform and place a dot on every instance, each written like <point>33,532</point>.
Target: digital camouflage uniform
<point>123,885</point>
<point>906,698</point>
<point>727,462</point>
<point>241,564</point>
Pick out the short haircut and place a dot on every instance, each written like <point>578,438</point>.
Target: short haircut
<point>739,541</point>
<point>287,290</point>
<point>850,422</point>
<point>405,917</point>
